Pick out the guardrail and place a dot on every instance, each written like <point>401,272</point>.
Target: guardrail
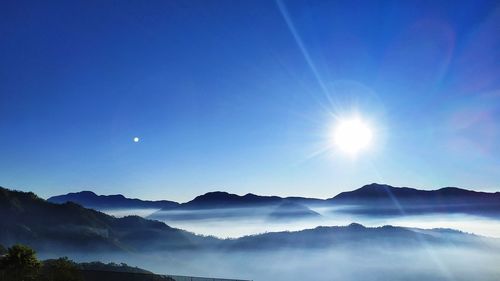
<point>98,275</point>
<point>191,278</point>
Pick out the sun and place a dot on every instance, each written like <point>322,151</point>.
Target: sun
<point>352,135</point>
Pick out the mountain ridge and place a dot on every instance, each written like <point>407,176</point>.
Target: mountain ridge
<point>116,201</point>
<point>382,199</point>
<point>27,218</point>
<point>370,196</point>
<point>376,191</point>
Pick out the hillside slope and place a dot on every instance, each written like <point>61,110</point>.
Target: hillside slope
<point>26,218</point>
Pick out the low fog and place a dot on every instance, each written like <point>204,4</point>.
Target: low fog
<point>356,260</point>
<point>233,223</point>
<point>354,263</point>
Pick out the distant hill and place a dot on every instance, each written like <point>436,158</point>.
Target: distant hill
<point>292,210</point>
<point>26,218</point>
<point>224,205</point>
<point>219,199</point>
<point>356,235</point>
<point>102,202</point>
<point>381,198</point>
<point>114,267</point>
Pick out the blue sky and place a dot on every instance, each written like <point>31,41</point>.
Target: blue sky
<point>241,96</point>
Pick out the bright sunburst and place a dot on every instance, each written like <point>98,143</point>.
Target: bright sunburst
<point>352,135</point>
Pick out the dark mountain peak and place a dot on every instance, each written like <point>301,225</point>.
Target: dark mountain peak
<point>451,188</point>
<point>84,193</point>
<point>375,185</point>
<point>117,196</point>
<point>251,195</point>
<point>90,199</point>
<point>382,199</point>
<point>214,199</point>
<point>74,196</point>
<point>382,188</point>
<point>221,199</point>
<point>218,194</point>
<point>368,191</point>
<point>215,196</point>
<point>456,191</point>
<point>356,225</point>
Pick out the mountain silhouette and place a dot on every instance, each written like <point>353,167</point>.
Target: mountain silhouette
<point>101,202</point>
<point>385,199</point>
<point>26,218</point>
<point>220,199</point>
<point>224,205</point>
<point>357,237</point>
<point>372,199</point>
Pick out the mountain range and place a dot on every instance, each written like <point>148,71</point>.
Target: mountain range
<point>210,200</point>
<point>382,199</point>
<point>91,200</point>
<point>26,218</point>
<point>375,199</point>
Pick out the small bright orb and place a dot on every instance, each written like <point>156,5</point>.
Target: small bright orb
<point>136,139</point>
<point>352,135</point>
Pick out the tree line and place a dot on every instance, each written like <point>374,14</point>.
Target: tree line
<point>20,263</point>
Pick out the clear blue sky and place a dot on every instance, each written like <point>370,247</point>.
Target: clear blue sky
<point>240,95</point>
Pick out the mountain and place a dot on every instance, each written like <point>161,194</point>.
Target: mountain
<point>356,235</point>
<point>385,199</point>
<point>292,210</point>
<point>224,205</point>
<point>103,202</point>
<point>26,218</point>
<point>219,199</point>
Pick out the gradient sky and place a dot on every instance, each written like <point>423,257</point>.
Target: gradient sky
<point>241,95</point>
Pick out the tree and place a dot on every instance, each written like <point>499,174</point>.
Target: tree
<point>20,264</point>
<point>3,251</point>
<point>61,269</point>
